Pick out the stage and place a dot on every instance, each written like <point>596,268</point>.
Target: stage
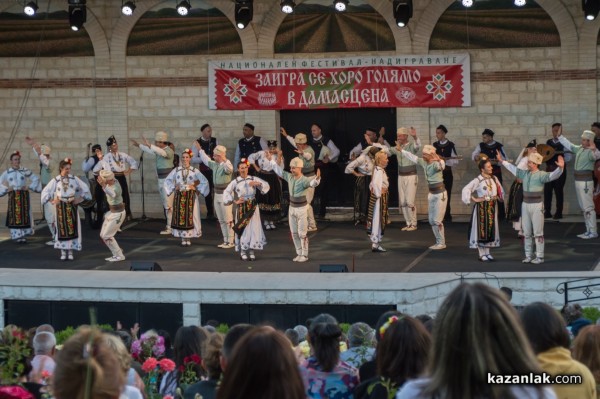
<point>336,242</point>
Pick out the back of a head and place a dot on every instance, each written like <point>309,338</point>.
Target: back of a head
<point>262,366</point>
<point>302,332</point>
<point>508,292</point>
<point>544,326</point>
<point>232,337</point>
<point>586,349</point>
<point>44,328</point>
<point>43,343</point>
<point>211,352</point>
<point>292,335</point>
<point>384,319</point>
<point>116,345</point>
<point>189,340</point>
<point>324,337</point>
<point>477,331</point>
<point>360,334</point>
<point>87,350</point>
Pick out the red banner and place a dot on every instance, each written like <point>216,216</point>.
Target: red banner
<point>374,82</point>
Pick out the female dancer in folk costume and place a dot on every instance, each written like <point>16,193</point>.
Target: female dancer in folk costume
<point>269,203</point>
<point>65,191</point>
<point>377,215</point>
<point>186,182</point>
<point>114,218</point>
<point>249,235</point>
<point>19,217</point>
<point>485,190</point>
<point>515,194</point>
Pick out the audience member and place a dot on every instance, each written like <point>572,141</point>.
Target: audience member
<point>369,369</point>
<point>549,338</point>
<point>207,389</point>
<point>232,337</point>
<point>586,349</point>
<point>134,386</point>
<point>573,315</point>
<point>292,335</point>
<point>507,293</point>
<point>44,346</point>
<point>361,338</point>
<point>44,328</point>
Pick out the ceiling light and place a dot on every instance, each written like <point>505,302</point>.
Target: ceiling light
<point>30,8</point>
<point>590,9</point>
<point>243,13</point>
<point>467,3</point>
<point>402,12</point>
<point>520,3</point>
<point>128,7</point>
<point>287,6</point>
<point>77,16</point>
<point>340,5</point>
<point>184,7</point>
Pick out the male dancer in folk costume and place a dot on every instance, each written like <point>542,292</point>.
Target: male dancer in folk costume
<point>532,213</point>
<point>557,186</point>
<point>19,217</point>
<point>486,191</point>
<point>186,182</point>
<point>586,155</point>
<point>298,212</point>
<point>121,165</point>
<point>208,143</point>
<point>515,194</point>
<point>47,172</point>
<point>326,153</point>
<point>437,197</point>
<point>362,167</point>
<point>65,192</point>
<point>270,202</point>
<point>242,190</point>
<point>596,129</point>
<point>489,147</point>
<point>249,144</point>
<point>222,171</point>
<point>164,156</point>
<point>370,138</point>
<point>88,165</point>
<point>307,155</point>
<point>446,150</point>
<point>114,218</point>
<point>377,216</point>
<point>407,176</point>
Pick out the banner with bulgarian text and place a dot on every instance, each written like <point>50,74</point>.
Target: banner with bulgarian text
<point>371,81</point>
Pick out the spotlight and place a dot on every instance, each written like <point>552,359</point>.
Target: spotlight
<point>243,13</point>
<point>287,6</point>
<point>520,3</point>
<point>467,3</point>
<point>128,7</point>
<point>30,8</point>
<point>77,16</point>
<point>403,11</point>
<point>590,9</point>
<point>340,5</point>
<point>184,7</point>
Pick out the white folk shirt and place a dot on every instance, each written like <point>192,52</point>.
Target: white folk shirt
<point>116,162</point>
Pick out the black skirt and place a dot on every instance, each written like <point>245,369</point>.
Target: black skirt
<point>270,203</point>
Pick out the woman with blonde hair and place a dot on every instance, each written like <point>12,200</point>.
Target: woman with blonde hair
<point>586,349</point>
<point>134,386</point>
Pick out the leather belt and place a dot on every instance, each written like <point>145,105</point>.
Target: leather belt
<point>532,198</point>
<point>117,208</point>
<point>437,188</point>
<point>583,175</point>
<point>298,202</point>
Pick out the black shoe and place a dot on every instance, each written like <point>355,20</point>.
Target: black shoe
<point>547,215</point>
<point>557,216</point>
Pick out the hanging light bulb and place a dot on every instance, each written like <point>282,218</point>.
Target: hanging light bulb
<point>520,3</point>
<point>467,3</point>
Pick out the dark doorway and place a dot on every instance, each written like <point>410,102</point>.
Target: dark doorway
<point>346,127</point>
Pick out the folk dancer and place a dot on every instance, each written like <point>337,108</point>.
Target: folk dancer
<point>437,197</point>
<point>249,235</point>
<point>307,155</point>
<point>485,191</point>
<point>370,137</point>
<point>164,156</point>
<point>270,202</point>
<point>377,216</point>
<point>208,143</point>
<point>121,164</point>
<point>88,165</point>
<point>596,129</point>
<point>557,186</point>
<point>326,153</point>
<point>114,218</point>
<point>489,147</point>
<point>407,176</point>
<point>249,144</point>
<point>362,167</point>
<point>47,172</point>
<point>19,217</point>
<point>532,212</point>
<point>186,182</point>
<point>65,192</point>
<point>586,155</point>
<point>446,150</point>
<point>222,171</point>
<point>515,194</point>
<point>298,213</point>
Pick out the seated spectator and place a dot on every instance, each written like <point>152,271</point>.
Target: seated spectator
<point>44,328</point>
<point>211,351</point>
<point>368,369</point>
<point>44,346</point>
<point>86,355</point>
<point>586,349</point>
<point>292,335</point>
<point>549,338</point>
<point>232,337</point>
<point>573,315</point>
<point>402,354</point>
<point>361,338</point>
<point>262,366</point>
<point>133,388</point>
<point>476,332</point>
<point>324,374</point>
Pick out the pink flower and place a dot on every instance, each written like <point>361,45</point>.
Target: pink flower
<point>45,374</point>
<point>166,365</point>
<point>168,397</point>
<point>15,392</point>
<point>149,365</point>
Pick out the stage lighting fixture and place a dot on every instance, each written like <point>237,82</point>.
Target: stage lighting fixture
<point>287,6</point>
<point>403,11</point>
<point>590,9</point>
<point>467,3</point>
<point>340,5</point>
<point>243,13</point>
<point>30,8</point>
<point>128,7</point>
<point>520,3</point>
<point>77,16</point>
<point>184,7</point>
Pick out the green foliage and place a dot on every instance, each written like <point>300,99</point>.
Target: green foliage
<point>223,328</point>
<point>591,313</point>
<point>63,335</point>
<point>14,350</point>
<point>345,327</point>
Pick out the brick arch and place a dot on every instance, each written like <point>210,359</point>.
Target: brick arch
<point>99,42</point>
<point>588,43</point>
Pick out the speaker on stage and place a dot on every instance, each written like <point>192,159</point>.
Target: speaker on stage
<point>333,269</point>
<point>145,266</point>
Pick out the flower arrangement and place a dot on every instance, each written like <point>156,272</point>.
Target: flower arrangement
<point>14,349</point>
<point>188,371</point>
<point>154,369</point>
<point>150,345</point>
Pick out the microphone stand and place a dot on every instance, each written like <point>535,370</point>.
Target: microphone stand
<point>143,194</point>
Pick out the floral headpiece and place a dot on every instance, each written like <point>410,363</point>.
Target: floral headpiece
<point>68,160</point>
<point>16,152</point>
<point>187,151</point>
<point>244,161</point>
<point>387,324</point>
